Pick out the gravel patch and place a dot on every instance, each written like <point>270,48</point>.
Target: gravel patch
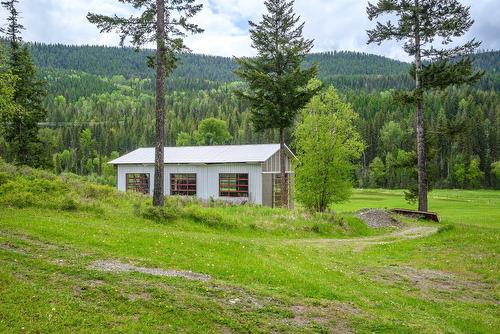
<point>117,266</point>
<point>378,218</point>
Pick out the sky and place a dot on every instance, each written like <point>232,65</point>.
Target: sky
<point>333,24</point>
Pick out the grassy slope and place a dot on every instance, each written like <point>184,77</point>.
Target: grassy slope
<point>275,274</point>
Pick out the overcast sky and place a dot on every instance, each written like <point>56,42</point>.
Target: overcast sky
<point>333,24</point>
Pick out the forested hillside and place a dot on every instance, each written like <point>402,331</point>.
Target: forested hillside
<point>101,103</point>
<point>344,69</point>
<point>109,61</point>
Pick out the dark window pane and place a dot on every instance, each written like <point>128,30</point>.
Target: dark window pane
<point>183,184</point>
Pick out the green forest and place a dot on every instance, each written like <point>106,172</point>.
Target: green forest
<point>100,104</point>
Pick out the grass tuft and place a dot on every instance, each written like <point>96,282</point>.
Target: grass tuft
<point>446,228</point>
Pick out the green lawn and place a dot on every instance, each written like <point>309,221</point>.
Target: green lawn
<point>272,271</point>
<point>470,207</point>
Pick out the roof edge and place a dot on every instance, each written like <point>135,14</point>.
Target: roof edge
<point>117,162</point>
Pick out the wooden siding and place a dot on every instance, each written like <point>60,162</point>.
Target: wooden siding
<point>273,165</point>
<point>267,189</point>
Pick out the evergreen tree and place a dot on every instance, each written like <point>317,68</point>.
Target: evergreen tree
<point>21,123</point>
<point>420,24</point>
<point>14,28</point>
<point>277,82</point>
<point>7,105</point>
<point>164,22</point>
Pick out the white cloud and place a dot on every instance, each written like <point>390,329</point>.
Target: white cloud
<point>223,35</point>
<point>333,24</point>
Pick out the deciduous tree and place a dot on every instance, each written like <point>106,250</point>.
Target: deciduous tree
<point>327,143</point>
<point>212,131</point>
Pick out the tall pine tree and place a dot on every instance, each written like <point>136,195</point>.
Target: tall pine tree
<point>164,22</point>
<point>422,24</point>
<point>7,82</point>
<point>21,123</point>
<point>277,82</point>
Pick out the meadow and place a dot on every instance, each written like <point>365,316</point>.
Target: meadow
<point>266,270</point>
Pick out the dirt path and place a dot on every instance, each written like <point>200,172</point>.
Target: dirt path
<point>117,266</point>
<point>407,233</point>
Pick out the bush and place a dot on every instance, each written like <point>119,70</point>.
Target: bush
<point>206,216</point>
<point>69,202</point>
<point>23,187</point>
<point>18,199</point>
<point>96,191</point>
<point>4,177</point>
<point>158,214</point>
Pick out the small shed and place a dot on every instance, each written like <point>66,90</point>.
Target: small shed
<point>235,173</point>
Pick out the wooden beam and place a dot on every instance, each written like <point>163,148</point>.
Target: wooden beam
<point>419,214</point>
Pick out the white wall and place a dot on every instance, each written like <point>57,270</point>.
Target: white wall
<point>207,178</point>
<point>126,169</point>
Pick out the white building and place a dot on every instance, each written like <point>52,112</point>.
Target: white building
<point>237,173</point>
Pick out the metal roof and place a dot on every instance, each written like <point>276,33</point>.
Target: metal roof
<point>203,154</point>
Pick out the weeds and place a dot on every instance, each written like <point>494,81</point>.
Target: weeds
<point>446,228</point>
<point>23,187</point>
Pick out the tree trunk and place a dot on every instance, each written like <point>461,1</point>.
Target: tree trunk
<point>419,122</point>
<point>99,167</point>
<point>283,185</point>
<point>160,104</point>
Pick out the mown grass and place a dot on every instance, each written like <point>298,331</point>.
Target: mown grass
<point>470,207</point>
<point>272,270</point>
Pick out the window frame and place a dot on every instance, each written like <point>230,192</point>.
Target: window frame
<point>183,192</point>
<point>242,188</point>
<point>141,183</point>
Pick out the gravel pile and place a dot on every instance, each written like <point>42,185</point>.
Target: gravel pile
<point>378,218</point>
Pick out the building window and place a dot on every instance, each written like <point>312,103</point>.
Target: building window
<point>138,182</point>
<point>183,184</point>
<point>233,185</point>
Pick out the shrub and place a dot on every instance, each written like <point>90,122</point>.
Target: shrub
<point>19,199</point>
<point>96,191</point>
<point>7,168</point>
<point>69,202</point>
<point>316,228</point>
<point>163,214</point>
<point>4,177</point>
<point>206,216</point>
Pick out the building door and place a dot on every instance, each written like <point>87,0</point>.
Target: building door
<point>277,190</point>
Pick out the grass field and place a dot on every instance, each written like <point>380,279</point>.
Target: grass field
<point>270,270</point>
<point>470,207</point>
